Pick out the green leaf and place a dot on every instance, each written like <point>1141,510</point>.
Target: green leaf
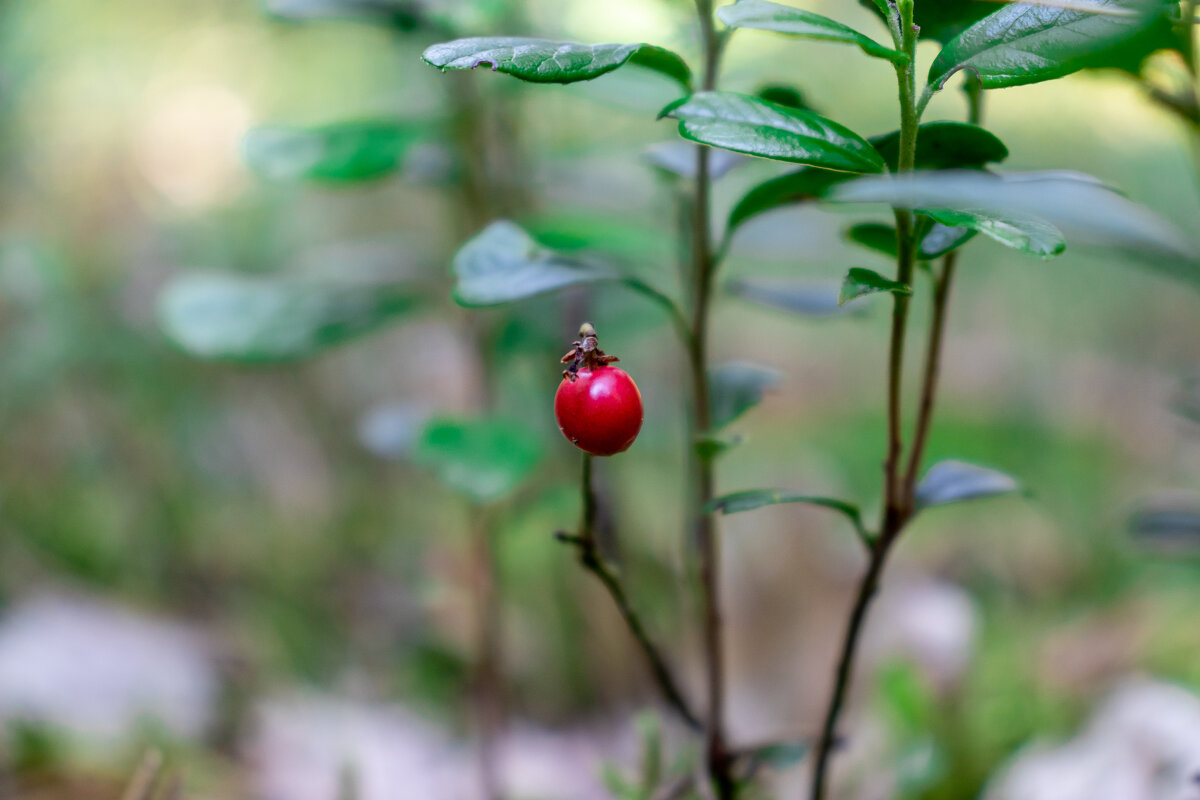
<point>860,281</point>
<point>751,499</point>
<point>809,183</point>
<point>737,387</point>
<point>874,236</point>
<point>1027,235</point>
<point>403,14</point>
<point>503,264</point>
<point>756,127</point>
<point>710,448</point>
<point>546,61</point>
<point>957,481</point>
<point>244,318</point>
<point>762,15</point>
<point>1085,210</point>
<point>810,299</point>
<point>784,95</point>
<point>941,239</point>
<point>345,151</point>
<point>940,20</point>
<point>945,145</point>
<point>485,459</point>
<point>781,755</point>
<point>1027,43</point>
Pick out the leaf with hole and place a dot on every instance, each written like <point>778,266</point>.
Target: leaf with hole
<point>756,127</point>
<point>957,481</point>
<point>547,61</point>
<point>503,264</point>
<point>1028,235</point>
<point>807,298</point>
<point>945,145</point>
<point>341,152</point>
<point>1026,42</point>
<point>254,318</point>
<point>766,16</point>
<point>484,459</point>
<point>736,387</point>
<point>860,281</point>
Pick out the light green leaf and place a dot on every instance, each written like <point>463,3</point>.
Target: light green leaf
<point>860,281</point>
<point>737,387</point>
<point>403,14</point>
<point>807,298</point>
<point>957,481</point>
<point>1027,42</point>
<point>756,127</point>
<point>345,151</point>
<point>244,318</point>
<point>762,15</point>
<point>503,264</point>
<point>485,459</point>
<point>1028,235</point>
<point>546,61</point>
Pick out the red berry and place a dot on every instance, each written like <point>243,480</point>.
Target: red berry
<point>600,411</point>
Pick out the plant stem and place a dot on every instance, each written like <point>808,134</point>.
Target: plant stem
<point>592,561</point>
<point>486,694</point>
<point>897,499</point>
<point>703,524</point>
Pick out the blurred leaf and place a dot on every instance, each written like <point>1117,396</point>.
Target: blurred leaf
<point>941,20</point>
<point>875,236</point>
<point>1026,43</point>
<point>737,387</point>
<point>546,61</point>
<point>1084,209</point>
<point>780,755</point>
<point>344,151</point>
<point>710,448</point>
<point>762,15</point>
<point>484,459</point>
<point>860,281</point>
<point>403,14</point>
<point>809,183</point>
<point>502,264</point>
<point>1170,524</point>
<point>679,158</point>
<point>749,125</point>
<point>783,95</point>
<point>907,698</point>
<point>945,145</point>
<point>232,317</point>
<point>1028,235</point>
<point>957,481</point>
<point>941,239</point>
<point>813,299</point>
<point>652,766</point>
<point>623,237</point>
<point>751,499</point>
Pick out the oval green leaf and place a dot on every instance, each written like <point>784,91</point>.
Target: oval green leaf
<point>940,20</point>
<point>766,16</point>
<point>1031,236</point>
<point>860,281</point>
<point>547,61</point>
<point>809,183</point>
<point>484,459</point>
<point>347,151</point>
<point>756,127</point>
<point>1027,43</point>
<point>736,387</point>
<point>503,264</point>
<point>945,145</point>
<point>957,481</point>
<point>751,499</point>
<point>256,319</point>
<point>875,236</point>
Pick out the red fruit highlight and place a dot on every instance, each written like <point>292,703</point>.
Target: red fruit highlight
<point>600,412</point>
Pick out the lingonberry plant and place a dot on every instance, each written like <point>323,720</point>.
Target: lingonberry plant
<point>936,178</point>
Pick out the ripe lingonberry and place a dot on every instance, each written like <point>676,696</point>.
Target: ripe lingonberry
<point>598,407</point>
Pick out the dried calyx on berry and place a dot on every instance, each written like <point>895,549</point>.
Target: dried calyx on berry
<point>585,353</point>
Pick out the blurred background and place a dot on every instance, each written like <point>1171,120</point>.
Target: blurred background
<point>275,575</point>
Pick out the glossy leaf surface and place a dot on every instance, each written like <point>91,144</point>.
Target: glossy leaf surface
<point>756,127</point>
<point>350,151</point>
<point>767,16</point>
<point>1031,236</point>
<point>957,481</point>
<point>940,20</point>
<point>547,61</point>
<point>736,387</point>
<point>860,281</point>
<point>502,264</point>
<point>485,459</point>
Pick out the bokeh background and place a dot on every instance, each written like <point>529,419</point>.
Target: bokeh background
<point>251,570</point>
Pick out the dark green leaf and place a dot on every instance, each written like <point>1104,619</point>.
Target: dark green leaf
<point>1085,210</point>
<point>753,126</point>
<point>546,61</point>
<point>874,236</point>
<point>502,264</point>
<point>1026,43</point>
<point>941,20</point>
<point>403,14</point>
<point>957,481</point>
<point>941,239</point>
<point>484,459</point>
<point>783,95</point>
<point>766,16</point>
<point>710,448</point>
<point>244,318</point>
<point>347,151</point>
<point>1027,235</point>
<point>809,183</point>
<point>860,281</point>
<point>812,299</point>
<point>945,145</point>
<point>751,499</point>
<point>736,387</point>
